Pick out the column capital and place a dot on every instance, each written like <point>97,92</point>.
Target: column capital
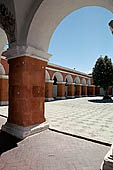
<point>61,82</point>
<point>70,83</point>
<point>49,81</point>
<point>19,51</point>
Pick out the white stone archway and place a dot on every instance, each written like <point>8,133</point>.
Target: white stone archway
<point>50,14</point>
<point>69,79</point>
<point>47,77</point>
<point>88,82</point>
<point>83,81</point>
<point>2,70</point>
<point>77,80</point>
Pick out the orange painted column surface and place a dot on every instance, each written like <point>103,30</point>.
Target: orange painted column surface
<point>110,90</point>
<point>84,90</point>
<point>60,90</point>
<point>3,90</point>
<point>78,90</point>
<point>91,90</point>
<point>97,91</point>
<point>71,90</point>
<point>26,91</point>
<point>49,90</point>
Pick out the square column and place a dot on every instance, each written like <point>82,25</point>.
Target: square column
<point>71,90</point>
<point>97,91</point>
<point>91,90</point>
<point>49,90</point>
<point>60,90</point>
<point>84,90</point>
<point>78,90</point>
<point>26,96</point>
<point>107,164</point>
<point>110,90</point>
<point>4,89</point>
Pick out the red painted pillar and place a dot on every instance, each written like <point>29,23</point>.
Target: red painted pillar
<point>60,90</point>
<point>49,90</point>
<point>84,90</point>
<point>71,90</point>
<point>78,90</point>
<point>110,90</point>
<point>97,91</point>
<point>91,90</point>
<point>26,96</point>
<point>4,89</point>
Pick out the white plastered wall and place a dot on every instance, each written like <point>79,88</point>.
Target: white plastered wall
<point>51,13</point>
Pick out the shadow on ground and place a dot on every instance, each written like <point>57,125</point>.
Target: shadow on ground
<point>7,142</point>
<point>101,101</point>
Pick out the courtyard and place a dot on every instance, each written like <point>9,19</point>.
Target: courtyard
<point>88,117</point>
<point>48,150</point>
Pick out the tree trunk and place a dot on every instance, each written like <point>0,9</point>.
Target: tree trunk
<point>106,96</point>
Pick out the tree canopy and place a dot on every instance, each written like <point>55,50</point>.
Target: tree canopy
<point>103,73</point>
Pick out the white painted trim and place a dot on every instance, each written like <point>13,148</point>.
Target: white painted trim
<point>61,82</point>
<point>49,81</point>
<point>78,84</point>
<point>22,132</point>
<point>68,69</point>
<point>3,57</point>
<point>56,70</point>
<point>19,51</point>
<point>49,99</point>
<point>4,77</point>
<point>60,98</point>
<point>70,83</point>
<point>70,97</point>
<point>4,103</point>
<point>91,86</point>
<point>76,96</point>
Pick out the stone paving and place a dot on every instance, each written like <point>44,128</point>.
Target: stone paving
<point>88,117</point>
<point>49,150</point>
<point>53,151</point>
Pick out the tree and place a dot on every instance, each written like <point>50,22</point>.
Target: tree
<point>103,74</point>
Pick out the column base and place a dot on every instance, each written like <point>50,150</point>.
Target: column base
<point>60,98</point>
<point>4,103</point>
<point>84,95</point>
<point>107,164</point>
<point>22,132</point>
<point>91,95</point>
<point>70,97</point>
<point>78,96</point>
<point>49,99</point>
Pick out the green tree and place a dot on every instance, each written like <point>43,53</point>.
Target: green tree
<point>103,74</point>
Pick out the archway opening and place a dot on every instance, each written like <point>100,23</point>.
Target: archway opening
<point>94,43</point>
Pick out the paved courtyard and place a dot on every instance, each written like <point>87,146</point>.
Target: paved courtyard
<point>49,150</point>
<point>88,117</point>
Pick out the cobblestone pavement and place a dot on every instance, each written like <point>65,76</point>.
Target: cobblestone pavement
<point>88,117</point>
<point>49,150</point>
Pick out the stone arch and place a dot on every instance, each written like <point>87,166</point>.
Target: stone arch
<point>47,77</point>
<point>69,78</point>
<point>83,81</point>
<point>77,80</point>
<point>3,40</point>
<point>50,14</point>
<point>59,76</point>
<point>2,70</point>
<point>88,82</point>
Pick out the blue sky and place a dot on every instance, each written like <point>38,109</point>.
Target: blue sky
<point>81,38</point>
